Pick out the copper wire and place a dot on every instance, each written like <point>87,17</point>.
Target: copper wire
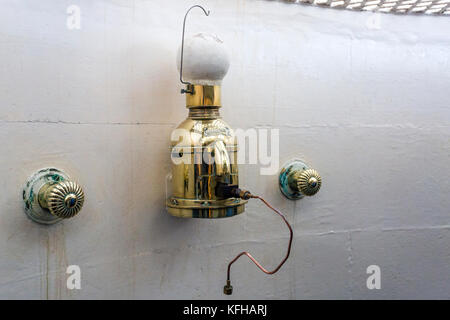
<point>251,257</point>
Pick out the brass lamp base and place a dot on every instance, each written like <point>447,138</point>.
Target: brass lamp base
<point>212,209</point>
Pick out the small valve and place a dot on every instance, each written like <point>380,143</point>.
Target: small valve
<point>297,180</point>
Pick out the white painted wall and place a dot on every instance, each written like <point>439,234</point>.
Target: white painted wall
<point>362,97</point>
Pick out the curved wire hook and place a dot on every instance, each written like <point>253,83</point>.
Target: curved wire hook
<point>182,43</point>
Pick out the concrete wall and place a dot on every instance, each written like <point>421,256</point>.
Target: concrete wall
<point>362,97</point>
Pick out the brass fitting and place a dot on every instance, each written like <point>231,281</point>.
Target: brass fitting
<point>228,288</point>
<point>202,96</point>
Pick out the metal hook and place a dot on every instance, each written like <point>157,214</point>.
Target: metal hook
<point>182,47</point>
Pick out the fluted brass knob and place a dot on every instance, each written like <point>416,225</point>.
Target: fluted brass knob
<point>50,196</point>
<point>297,180</point>
<point>308,182</point>
<point>63,199</point>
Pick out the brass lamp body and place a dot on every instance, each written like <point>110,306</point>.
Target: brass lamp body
<point>204,154</point>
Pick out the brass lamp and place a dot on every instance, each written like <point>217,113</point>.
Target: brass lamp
<point>205,181</point>
<point>203,147</point>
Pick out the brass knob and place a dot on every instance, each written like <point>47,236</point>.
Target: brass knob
<point>63,199</point>
<point>297,180</point>
<point>50,196</point>
<point>308,182</point>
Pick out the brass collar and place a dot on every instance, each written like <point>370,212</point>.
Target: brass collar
<point>203,96</point>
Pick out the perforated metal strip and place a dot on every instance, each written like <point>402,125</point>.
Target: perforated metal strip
<point>433,7</point>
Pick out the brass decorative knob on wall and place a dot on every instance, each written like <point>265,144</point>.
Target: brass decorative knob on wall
<point>307,181</point>
<point>297,180</point>
<point>63,199</point>
<point>50,196</point>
